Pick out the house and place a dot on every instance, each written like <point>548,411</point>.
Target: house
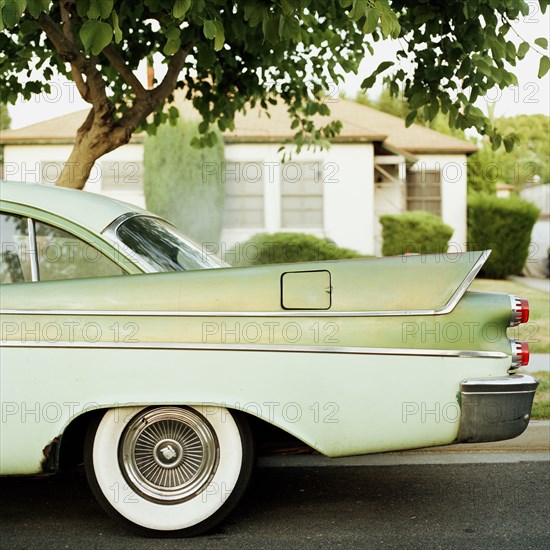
<point>375,166</point>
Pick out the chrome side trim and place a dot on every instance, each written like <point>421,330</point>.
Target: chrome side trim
<point>199,346</point>
<point>447,308</point>
<point>496,392</point>
<point>115,224</point>
<point>35,273</point>
<point>152,313</point>
<point>459,292</point>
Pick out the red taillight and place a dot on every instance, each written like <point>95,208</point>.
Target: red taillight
<point>524,350</point>
<point>520,354</point>
<point>520,311</point>
<point>525,315</point>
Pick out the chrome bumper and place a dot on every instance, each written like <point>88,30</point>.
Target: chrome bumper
<point>493,409</point>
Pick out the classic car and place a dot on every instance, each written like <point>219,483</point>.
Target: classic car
<point>160,381</point>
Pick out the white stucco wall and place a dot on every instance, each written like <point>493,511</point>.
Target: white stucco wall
<point>453,193</point>
<point>348,192</point>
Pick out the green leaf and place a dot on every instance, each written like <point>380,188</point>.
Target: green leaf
<point>484,67</point>
<point>181,7</point>
<point>172,46</point>
<point>288,7</point>
<point>36,7</point>
<point>12,12</point>
<point>542,42</point>
<point>385,24</point>
<point>82,7</point>
<point>290,29</point>
<point>172,33</point>
<point>368,82</point>
<point>523,48</point>
<point>371,21</point>
<point>270,28</point>
<point>95,36</point>
<point>100,9</point>
<point>359,9</point>
<point>219,38</point>
<point>544,66</point>
<point>410,118</point>
<point>383,66</point>
<point>116,27</point>
<point>255,13</point>
<point>509,144</point>
<point>173,113</point>
<point>416,100</point>
<point>209,29</point>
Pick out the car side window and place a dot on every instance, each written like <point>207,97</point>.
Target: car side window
<point>64,256</point>
<point>15,255</point>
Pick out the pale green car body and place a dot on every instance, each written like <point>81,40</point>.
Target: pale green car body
<point>351,357</point>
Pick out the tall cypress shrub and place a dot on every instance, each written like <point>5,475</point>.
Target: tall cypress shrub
<point>185,184</point>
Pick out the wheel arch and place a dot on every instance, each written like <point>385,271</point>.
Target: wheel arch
<point>67,451</point>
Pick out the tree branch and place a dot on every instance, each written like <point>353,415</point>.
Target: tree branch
<point>127,74</point>
<point>81,85</point>
<point>97,95</point>
<point>142,108</point>
<point>175,66</point>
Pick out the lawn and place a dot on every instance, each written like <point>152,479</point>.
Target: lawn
<point>537,331</point>
<point>541,404</point>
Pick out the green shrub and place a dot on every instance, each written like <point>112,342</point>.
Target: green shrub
<point>504,226</point>
<point>276,248</point>
<point>184,184</point>
<point>414,232</point>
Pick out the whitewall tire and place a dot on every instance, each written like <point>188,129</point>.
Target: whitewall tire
<point>169,470</point>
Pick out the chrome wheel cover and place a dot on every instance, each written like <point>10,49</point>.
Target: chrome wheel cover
<point>168,454</point>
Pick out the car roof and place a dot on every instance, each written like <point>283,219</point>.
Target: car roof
<point>89,210</point>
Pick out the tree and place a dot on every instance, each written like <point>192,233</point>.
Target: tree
<point>225,55</point>
<point>184,184</point>
<point>529,161</point>
<point>5,119</point>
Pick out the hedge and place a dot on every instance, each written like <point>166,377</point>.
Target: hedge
<point>184,184</point>
<point>275,248</point>
<point>414,232</point>
<point>504,226</point>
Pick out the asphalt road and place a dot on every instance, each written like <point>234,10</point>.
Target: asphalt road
<point>498,505</point>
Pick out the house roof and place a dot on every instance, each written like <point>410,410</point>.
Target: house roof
<point>360,124</point>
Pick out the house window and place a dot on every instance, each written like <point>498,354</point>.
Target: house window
<point>424,190</point>
<point>244,195</point>
<point>121,175</point>
<point>302,195</point>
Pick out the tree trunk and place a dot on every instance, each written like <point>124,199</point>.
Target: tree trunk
<point>96,137</point>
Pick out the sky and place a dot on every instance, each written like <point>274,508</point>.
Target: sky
<point>531,96</point>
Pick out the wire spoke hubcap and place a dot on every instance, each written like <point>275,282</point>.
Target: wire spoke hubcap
<point>168,454</point>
